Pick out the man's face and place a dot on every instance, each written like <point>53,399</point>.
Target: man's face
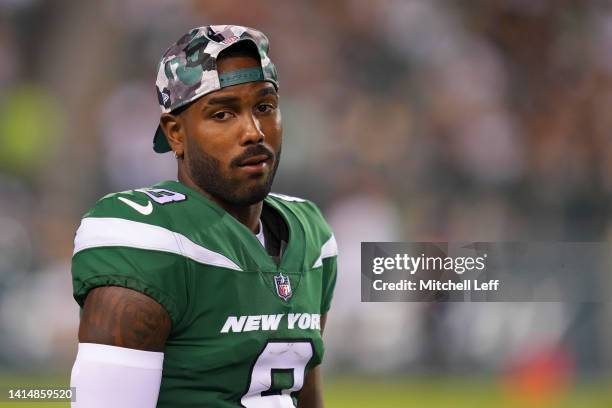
<point>233,138</point>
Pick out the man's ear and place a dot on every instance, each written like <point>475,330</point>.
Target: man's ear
<point>174,129</point>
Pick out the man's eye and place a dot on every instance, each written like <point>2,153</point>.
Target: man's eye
<point>221,115</point>
<point>264,108</point>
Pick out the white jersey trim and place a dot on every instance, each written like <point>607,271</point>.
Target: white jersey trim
<point>97,232</point>
<point>288,197</point>
<point>329,249</point>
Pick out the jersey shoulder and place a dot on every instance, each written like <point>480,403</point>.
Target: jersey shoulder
<point>126,240</point>
<point>158,217</point>
<point>150,205</point>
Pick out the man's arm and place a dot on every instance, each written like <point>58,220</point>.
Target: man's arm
<point>121,339</point>
<point>311,395</point>
<point>125,318</point>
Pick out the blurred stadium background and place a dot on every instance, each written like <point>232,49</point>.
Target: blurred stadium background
<point>405,120</point>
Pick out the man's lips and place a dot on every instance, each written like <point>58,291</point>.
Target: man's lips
<point>260,159</point>
<point>255,165</point>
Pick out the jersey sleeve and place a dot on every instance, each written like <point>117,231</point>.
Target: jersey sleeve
<point>330,266</point>
<point>328,255</point>
<point>114,250</point>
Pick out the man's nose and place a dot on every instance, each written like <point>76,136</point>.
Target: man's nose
<point>251,133</point>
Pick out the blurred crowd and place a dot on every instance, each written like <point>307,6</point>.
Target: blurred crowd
<point>405,120</point>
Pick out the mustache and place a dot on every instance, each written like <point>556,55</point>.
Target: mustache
<point>256,150</point>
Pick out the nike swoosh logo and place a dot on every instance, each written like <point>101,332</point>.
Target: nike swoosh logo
<point>143,209</point>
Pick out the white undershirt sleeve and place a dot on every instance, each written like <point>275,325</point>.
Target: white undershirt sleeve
<point>108,376</point>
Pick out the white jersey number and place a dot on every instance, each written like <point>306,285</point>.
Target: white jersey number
<point>278,371</point>
<point>163,196</point>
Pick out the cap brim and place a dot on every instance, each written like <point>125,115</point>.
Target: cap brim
<point>160,143</point>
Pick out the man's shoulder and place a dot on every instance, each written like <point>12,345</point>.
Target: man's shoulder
<point>150,205</point>
<point>164,217</point>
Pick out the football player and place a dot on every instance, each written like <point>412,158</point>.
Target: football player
<point>208,291</point>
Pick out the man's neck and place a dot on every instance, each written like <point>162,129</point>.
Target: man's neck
<point>248,215</point>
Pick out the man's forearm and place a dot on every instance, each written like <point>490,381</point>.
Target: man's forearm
<point>311,395</point>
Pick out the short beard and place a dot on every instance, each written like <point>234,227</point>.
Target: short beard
<point>206,173</point>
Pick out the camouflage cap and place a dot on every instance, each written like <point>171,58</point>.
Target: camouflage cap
<point>188,69</point>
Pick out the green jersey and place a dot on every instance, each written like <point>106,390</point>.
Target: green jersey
<point>245,330</point>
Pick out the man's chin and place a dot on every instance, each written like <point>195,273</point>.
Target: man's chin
<point>245,196</point>
<point>253,196</point>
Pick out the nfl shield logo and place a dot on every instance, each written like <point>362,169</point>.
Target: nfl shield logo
<point>283,286</point>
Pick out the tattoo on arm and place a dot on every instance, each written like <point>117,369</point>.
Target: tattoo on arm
<point>124,317</point>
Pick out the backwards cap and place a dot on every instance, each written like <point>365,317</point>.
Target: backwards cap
<point>188,69</point>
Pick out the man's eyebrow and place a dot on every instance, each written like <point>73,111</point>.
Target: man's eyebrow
<point>223,100</point>
<point>265,91</point>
